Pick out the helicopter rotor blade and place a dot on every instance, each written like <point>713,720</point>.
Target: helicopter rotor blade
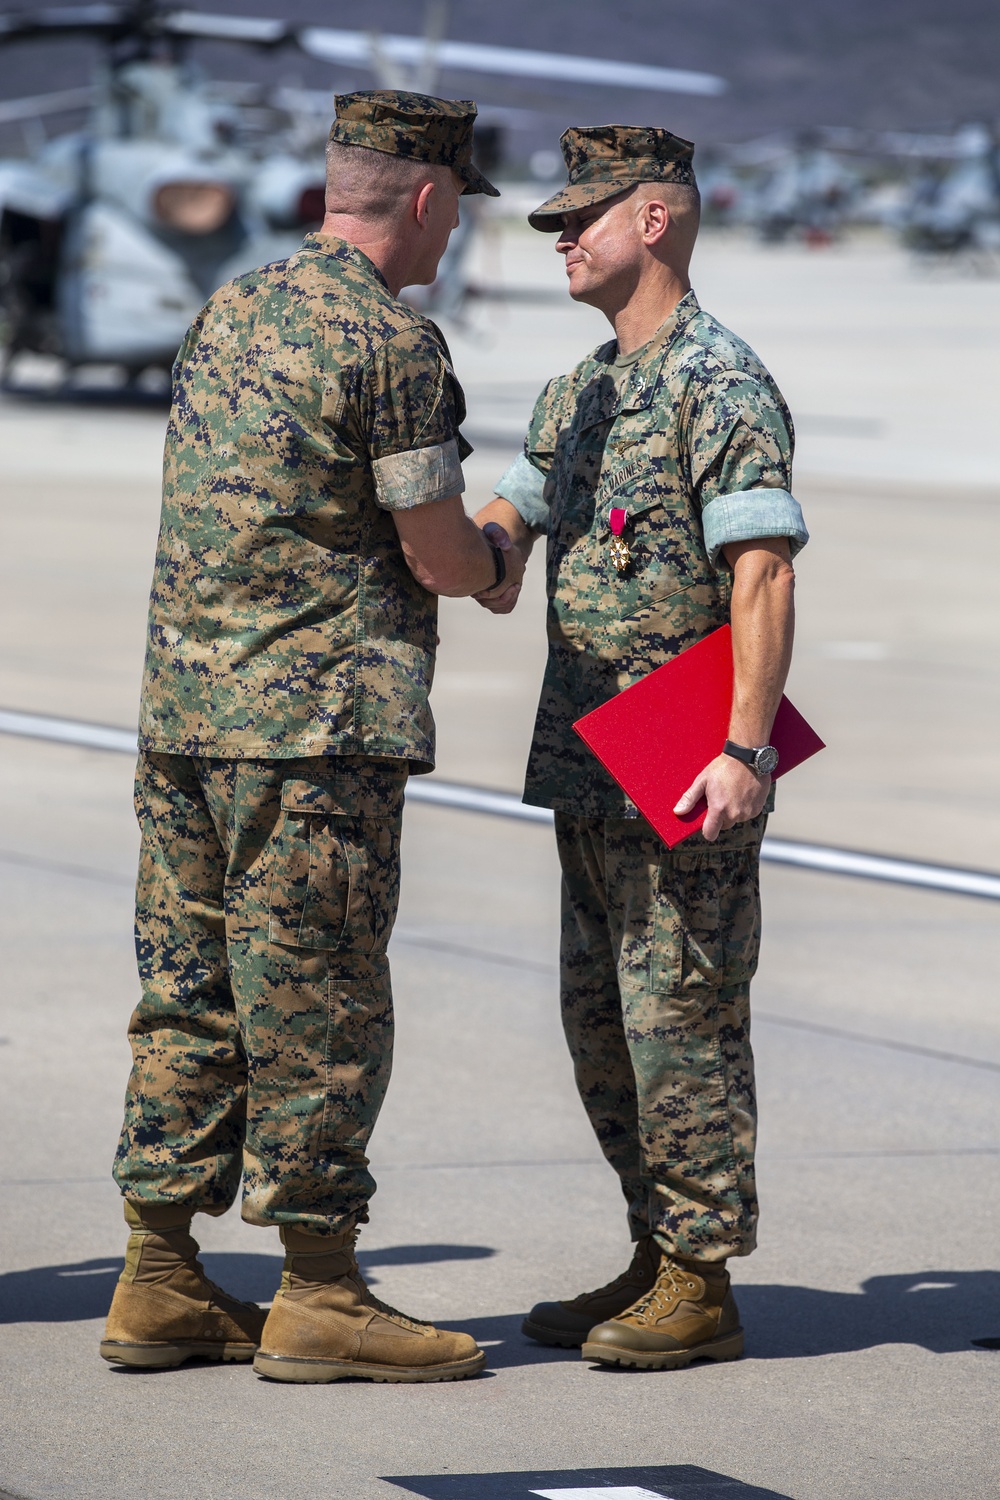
<point>112,22</point>
<point>95,20</point>
<point>425,55</point>
<point>353,47</point>
<point>257,30</point>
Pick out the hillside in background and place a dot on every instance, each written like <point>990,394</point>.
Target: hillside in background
<point>873,63</point>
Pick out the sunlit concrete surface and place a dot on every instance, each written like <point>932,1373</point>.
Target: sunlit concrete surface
<point>891,363</point>
<point>878,1014</point>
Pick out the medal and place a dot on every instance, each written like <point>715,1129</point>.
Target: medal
<point>620,553</point>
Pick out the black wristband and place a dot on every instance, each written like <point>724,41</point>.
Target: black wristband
<point>500,563</point>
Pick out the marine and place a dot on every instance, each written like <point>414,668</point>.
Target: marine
<point>659,471</point>
<point>311,515</point>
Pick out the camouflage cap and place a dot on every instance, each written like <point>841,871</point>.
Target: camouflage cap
<point>438,131</point>
<point>603,160</point>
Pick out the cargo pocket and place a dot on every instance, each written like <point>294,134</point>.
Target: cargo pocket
<point>326,862</point>
<point>706,931</point>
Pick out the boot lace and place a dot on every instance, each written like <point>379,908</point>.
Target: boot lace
<point>384,1307</point>
<point>393,1312</point>
<point>217,1293</point>
<point>673,1284</point>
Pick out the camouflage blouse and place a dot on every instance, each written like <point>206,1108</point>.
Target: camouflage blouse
<point>308,405</point>
<point>691,437</point>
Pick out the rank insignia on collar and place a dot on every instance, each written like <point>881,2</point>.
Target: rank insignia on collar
<point>621,555</point>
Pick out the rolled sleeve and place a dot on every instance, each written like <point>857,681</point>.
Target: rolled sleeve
<point>740,436</point>
<point>523,486</point>
<point>409,407</point>
<point>747,515</point>
<point>405,480</point>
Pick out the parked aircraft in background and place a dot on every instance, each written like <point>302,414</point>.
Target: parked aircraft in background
<point>111,237</point>
<point>807,194</point>
<point>954,203</point>
<point>939,192</point>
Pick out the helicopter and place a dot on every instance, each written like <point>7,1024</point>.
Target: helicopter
<point>112,237</point>
<point>803,190</point>
<point>954,204</point>
<point>939,192</point>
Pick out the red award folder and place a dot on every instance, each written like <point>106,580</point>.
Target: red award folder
<point>656,736</point>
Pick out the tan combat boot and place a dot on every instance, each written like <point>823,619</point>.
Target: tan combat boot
<point>689,1314</point>
<point>165,1310</point>
<point>326,1325</point>
<point>566,1324</point>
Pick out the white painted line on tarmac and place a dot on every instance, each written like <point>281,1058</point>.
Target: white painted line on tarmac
<point>68,731</point>
<point>881,867</point>
<point>476,799</point>
<point>777,851</point>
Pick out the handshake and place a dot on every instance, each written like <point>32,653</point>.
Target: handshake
<point>446,550</point>
<point>516,548</point>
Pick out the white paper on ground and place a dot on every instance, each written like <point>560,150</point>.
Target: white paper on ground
<point>616,1492</point>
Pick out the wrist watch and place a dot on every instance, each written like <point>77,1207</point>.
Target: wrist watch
<point>761,759</point>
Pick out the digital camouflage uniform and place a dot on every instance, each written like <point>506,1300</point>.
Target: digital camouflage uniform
<point>691,436</point>
<point>285,699</point>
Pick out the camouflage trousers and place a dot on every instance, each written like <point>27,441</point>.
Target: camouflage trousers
<point>262,1042</point>
<point>658,949</point>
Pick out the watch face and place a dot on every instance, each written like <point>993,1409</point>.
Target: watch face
<point>766,760</point>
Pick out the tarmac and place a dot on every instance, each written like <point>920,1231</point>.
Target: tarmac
<point>877,1023</point>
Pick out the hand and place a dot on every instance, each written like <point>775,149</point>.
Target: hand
<point>734,794</point>
<point>503,602</point>
<point>500,604</point>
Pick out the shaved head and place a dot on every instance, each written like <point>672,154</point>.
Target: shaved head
<point>372,185</point>
<point>398,210</point>
<point>684,202</point>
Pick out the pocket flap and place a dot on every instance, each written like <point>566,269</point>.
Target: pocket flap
<point>341,799</point>
<point>636,498</point>
<point>351,791</point>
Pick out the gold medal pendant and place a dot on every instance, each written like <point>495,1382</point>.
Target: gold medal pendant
<point>621,554</point>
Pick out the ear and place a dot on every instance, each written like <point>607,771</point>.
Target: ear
<point>421,205</point>
<point>654,221</point>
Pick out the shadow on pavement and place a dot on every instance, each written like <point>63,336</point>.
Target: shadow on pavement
<point>943,1312</point>
<point>506,1346</point>
<point>64,1294</point>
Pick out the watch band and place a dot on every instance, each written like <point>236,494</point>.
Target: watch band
<point>740,752</point>
<point>762,759</point>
